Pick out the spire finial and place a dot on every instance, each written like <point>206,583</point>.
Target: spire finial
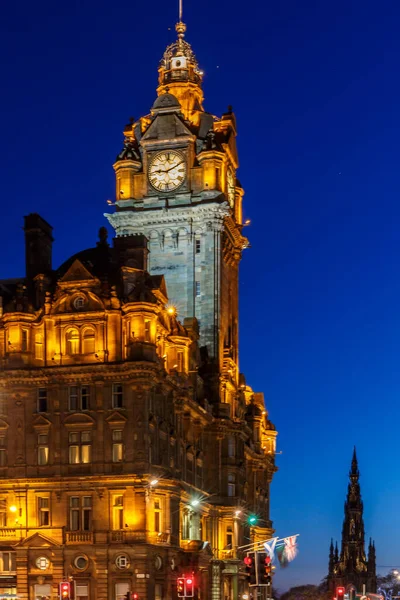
<point>354,465</point>
<point>180,26</point>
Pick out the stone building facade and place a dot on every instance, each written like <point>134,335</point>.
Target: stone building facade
<point>131,449</point>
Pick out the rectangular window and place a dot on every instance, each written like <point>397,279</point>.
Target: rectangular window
<point>86,513</point>
<point>85,397</point>
<point>80,447</point>
<point>147,330</point>
<point>117,395</point>
<point>180,361</point>
<point>121,590</point>
<point>44,512</point>
<point>117,453</point>
<point>231,447</point>
<point>82,592</point>
<point>80,513</point>
<point>79,397</point>
<point>3,513</point>
<point>157,515</point>
<point>229,538</point>
<point>24,340</point>
<point>8,563</point>
<point>39,346</point>
<point>198,292</point>
<point>42,400</point>
<point>118,512</point>
<point>198,246</point>
<point>74,513</point>
<point>158,592</point>
<point>43,449</point>
<point>231,484</point>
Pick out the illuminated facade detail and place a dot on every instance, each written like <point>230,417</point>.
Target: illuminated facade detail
<point>352,569</point>
<point>130,446</point>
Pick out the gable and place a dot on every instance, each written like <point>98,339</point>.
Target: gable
<point>166,127</point>
<point>37,540</point>
<point>41,422</point>
<point>77,272</point>
<point>116,418</point>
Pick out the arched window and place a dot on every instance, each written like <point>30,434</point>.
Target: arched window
<point>39,346</point>
<point>89,340</point>
<point>73,341</point>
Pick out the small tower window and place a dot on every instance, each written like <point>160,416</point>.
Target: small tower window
<point>198,246</point>
<point>147,330</point>
<point>198,290</point>
<point>24,340</point>
<point>39,346</point>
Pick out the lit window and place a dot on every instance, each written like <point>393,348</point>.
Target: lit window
<point>157,515</point>
<point>39,354</point>
<point>43,449</point>
<point>198,292</point>
<point>3,513</point>
<point>117,395</point>
<point>44,512</point>
<point>73,342</point>
<point>42,400</point>
<point>158,591</point>
<point>229,538</point>
<point>198,246</point>
<point>118,512</point>
<point>80,447</point>
<point>147,330</point>
<point>180,361</point>
<point>117,447</point>
<point>121,589</point>
<point>8,563</point>
<point>89,341</point>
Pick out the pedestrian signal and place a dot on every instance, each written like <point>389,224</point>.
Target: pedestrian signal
<point>189,587</point>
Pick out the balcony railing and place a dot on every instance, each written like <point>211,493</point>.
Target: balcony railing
<point>126,536</point>
<point>7,533</point>
<point>79,537</point>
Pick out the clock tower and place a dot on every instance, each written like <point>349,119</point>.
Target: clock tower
<point>176,184</point>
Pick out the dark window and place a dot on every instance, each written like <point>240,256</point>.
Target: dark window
<point>117,395</point>
<point>42,400</point>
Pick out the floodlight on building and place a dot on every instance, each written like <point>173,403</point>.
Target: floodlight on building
<point>194,502</point>
<point>13,508</point>
<point>153,482</point>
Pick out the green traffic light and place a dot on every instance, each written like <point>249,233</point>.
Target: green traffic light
<point>252,519</point>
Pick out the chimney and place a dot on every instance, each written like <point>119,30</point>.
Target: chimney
<point>132,251</point>
<point>38,245</point>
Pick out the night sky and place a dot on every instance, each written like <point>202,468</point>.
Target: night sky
<point>315,88</point>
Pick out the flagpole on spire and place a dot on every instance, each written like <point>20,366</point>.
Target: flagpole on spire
<point>180,11</point>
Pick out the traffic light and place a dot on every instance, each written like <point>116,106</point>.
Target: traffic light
<point>340,593</point>
<point>180,586</point>
<point>189,587</point>
<point>264,570</point>
<point>250,563</point>
<point>134,596</point>
<point>65,590</point>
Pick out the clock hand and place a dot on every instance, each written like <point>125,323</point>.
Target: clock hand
<point>174,167</point>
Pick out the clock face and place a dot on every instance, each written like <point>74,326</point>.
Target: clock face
<point>167,170</point>
<point>230,181</point>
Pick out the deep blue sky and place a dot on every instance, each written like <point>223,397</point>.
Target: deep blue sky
<point>315,87</point>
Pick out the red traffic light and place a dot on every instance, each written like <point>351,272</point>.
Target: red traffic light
<point>340,592</point>
<point>267,560</point>
<point>189,587</point>
<point>135,596</point>
<point>65,589</point>
<point>248,561</point>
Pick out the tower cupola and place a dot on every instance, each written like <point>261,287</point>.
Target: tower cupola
<point>179,74</point>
